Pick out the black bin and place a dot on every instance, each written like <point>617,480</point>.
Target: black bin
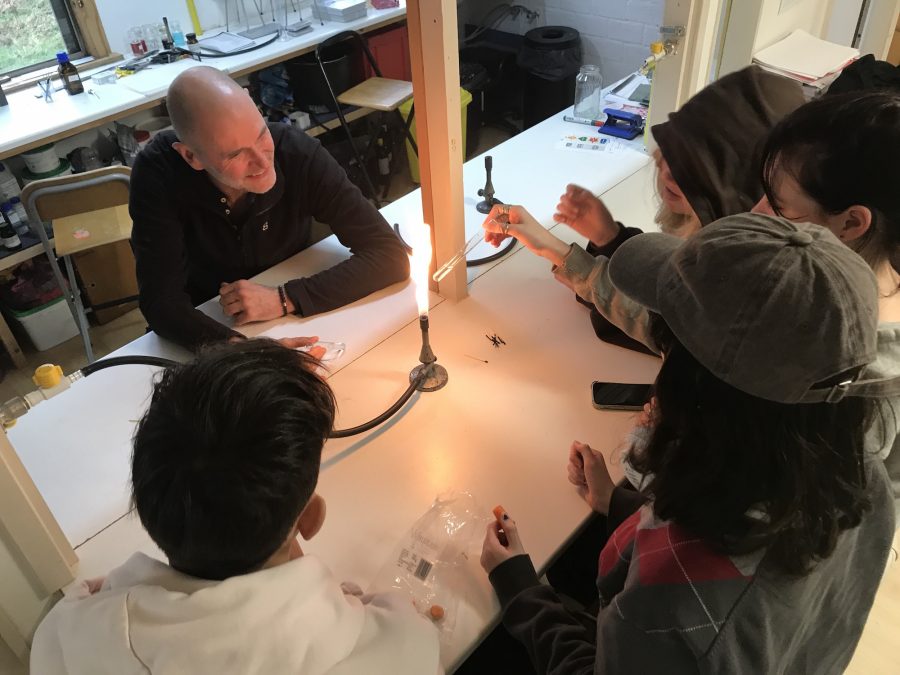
<point>551,58</point>
<point>473,77</point>
<point>343,63</point>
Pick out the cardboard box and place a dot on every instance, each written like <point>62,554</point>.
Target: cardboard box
<point>107,273</point>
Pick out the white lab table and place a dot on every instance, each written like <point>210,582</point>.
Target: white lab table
<point>530,170</point>
<point>28,122</point>
<point>500,429</point>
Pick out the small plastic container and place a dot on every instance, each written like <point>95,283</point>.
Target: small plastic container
<point>41,160</point>
<point>105,78</point>
<point>333,350</point>
<point>47,325</point>
<point>64,167</point>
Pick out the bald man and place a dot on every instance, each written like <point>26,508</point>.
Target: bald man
<point>226,196</point>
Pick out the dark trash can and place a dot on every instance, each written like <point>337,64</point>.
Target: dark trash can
<point>344,66</point>
<point>473,77</point>
<point>551,58</point>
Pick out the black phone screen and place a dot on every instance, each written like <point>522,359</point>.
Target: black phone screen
<point>618,394</point>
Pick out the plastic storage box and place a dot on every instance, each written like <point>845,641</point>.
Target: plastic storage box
<point>47,325</point>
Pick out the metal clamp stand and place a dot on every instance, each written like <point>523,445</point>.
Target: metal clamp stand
<point>489,201</point>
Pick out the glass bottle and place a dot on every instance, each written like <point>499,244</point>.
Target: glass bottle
<point>9,210</point>
<point>151,37</point>
<point>68,73</point>
<point>588,84</point>
<point>136,41</point>
<point>18,208</point>
<point>8,236</point>
<point>177,33</point>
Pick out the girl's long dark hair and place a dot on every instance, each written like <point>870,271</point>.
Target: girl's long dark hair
<point>745,473</point>
<point>842,150</point>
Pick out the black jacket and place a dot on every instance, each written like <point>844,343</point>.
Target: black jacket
<point>186,242</point>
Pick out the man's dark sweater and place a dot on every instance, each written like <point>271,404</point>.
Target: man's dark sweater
<point>187,240</point>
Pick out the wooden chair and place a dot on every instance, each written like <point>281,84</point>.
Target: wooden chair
<point>88,210</point>
<point>376,93</point>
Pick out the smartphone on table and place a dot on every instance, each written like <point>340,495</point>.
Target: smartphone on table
<point>619,396</point>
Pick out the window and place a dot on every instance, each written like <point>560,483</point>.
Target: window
<point>32,32</point>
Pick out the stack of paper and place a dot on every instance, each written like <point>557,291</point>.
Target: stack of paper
<point>807,59</point>
<point>341,10</point>
<point>226,43</point>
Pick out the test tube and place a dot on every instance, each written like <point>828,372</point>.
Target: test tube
<point>448,266</point>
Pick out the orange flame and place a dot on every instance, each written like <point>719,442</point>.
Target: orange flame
<point>420,260</point>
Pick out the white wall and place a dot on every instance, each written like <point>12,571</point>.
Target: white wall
<point>118,16</point>
<point>777,21</point>
<point>615,34</point>
<point>756,24</point>
<point>843,20</point>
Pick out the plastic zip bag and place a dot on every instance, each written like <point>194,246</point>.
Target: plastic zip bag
<point>429,562</point>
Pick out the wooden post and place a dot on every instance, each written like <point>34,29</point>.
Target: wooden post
<point>434,53</point>
<point>30,527</point>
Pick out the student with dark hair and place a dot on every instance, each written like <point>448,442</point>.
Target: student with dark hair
<point>834,162</point>
<point>224,472</point>
<point>707,164</point>
<point>770,517</point>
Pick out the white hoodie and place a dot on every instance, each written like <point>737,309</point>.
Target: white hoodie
<point>292,618</point>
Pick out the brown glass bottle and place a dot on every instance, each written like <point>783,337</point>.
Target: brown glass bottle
<point>68,73</point>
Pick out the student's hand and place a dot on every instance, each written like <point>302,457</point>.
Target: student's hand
<point>297,342</point>
<point>587,215</point>
<point>248,302</point>
<point>492,551</point>
<point>588,473</point>
<point>506,220</point>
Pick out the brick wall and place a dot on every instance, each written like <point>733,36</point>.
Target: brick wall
<point>615,34</point>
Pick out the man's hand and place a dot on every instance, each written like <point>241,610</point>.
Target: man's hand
<point>587,215</point>
<point>588,472</point>
<point>493,553</point>
<point>248,302</point>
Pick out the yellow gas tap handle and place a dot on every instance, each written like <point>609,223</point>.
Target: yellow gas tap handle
<point>47,376</point>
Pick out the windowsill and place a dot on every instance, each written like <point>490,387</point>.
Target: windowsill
<point>31,79</point>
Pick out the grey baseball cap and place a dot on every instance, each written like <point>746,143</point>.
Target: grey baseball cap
<point>776,309</point>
